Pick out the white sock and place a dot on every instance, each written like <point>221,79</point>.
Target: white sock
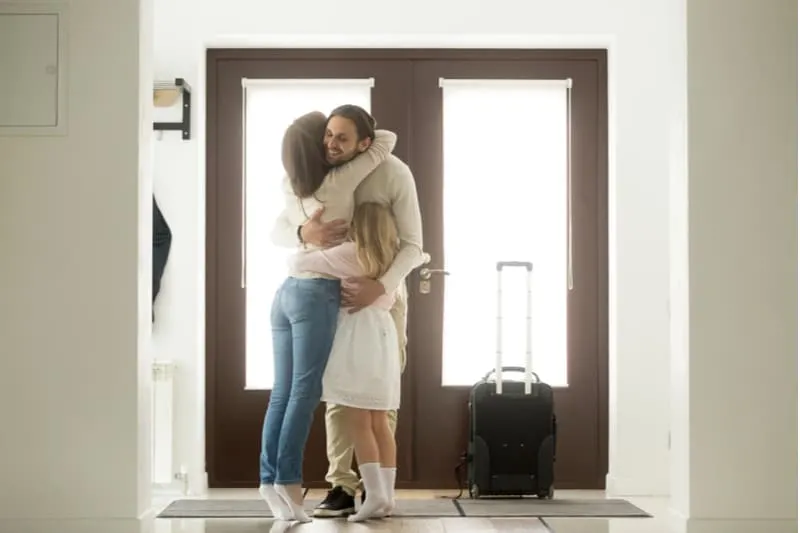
<point>388,477</point>
<point>279,509</point>
<point>298,513</point>
<point>376,494</point>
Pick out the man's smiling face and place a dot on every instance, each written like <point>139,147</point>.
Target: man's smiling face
<point>341,141</point>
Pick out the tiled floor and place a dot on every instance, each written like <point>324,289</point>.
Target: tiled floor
<point>655,506</point>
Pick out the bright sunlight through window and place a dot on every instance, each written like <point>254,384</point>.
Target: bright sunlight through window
<point>270,106</point>
<point>505,199</point>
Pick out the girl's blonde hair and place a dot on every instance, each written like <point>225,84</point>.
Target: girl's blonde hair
<point>375,233</point>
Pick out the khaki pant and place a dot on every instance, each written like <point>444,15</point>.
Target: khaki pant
<point>339,443</point>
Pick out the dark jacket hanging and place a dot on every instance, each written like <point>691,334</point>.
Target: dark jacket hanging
<point>162,240</point>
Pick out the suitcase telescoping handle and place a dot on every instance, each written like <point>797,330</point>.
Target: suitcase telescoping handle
<point>498,366</point>
<point>518,369</point>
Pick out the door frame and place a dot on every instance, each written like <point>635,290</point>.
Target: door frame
<point>217,56</point>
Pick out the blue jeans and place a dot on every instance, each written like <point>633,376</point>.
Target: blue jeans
<point>304,317</point>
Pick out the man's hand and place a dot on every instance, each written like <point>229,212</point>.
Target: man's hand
<point>358,293</point>
<point>323,234</point>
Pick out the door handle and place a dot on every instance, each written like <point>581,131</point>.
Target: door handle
<point>426,273</point>
<point>425,278</point>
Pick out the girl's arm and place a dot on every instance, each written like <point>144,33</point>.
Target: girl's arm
<point>339,261</point>
<point>348,176</point>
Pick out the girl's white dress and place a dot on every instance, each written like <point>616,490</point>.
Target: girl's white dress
<point>363,370</point>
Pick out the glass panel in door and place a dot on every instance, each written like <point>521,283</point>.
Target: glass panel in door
<point>511,160</point>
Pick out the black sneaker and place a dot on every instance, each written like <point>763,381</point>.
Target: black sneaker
<point>336,504</point>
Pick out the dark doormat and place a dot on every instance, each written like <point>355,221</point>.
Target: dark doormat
<point>566,507</point>
<point>424,508</point>
<point>259,509</point>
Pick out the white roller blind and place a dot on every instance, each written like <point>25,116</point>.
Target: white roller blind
<point>505,198</point>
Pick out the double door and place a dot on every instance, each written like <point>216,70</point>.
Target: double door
<point>508,150</point>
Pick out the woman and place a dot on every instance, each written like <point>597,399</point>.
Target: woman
<point>305,310</point>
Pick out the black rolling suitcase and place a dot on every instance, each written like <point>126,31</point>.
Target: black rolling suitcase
<point>512,424</point>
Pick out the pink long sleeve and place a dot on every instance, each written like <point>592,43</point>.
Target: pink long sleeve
<point>339,261</point>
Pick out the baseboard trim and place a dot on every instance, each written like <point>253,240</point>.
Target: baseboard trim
<point>160,492</point>
<point>149,515</point>
<point>622,487</point>
<point>682,524</point>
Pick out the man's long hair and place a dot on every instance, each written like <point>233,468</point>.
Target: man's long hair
<point>303,155</point>
<point>365,123</point>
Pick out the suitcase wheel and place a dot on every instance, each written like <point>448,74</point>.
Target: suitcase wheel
<point>474,492</point>
<point>546,494</point>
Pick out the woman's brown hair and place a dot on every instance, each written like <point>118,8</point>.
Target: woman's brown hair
<point>303,155</point>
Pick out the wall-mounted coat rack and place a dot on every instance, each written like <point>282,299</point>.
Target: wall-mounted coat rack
<point>164,95</point>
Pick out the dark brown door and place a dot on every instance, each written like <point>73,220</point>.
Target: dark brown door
<point>234,413</point>
<point>406,98</point>
<point>581,406</point>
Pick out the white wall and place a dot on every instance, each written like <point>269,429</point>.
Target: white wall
<point>641,37</point>
<point>735,461</point>
<point>74,290</point>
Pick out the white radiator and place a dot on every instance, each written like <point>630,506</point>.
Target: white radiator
<point>163,410</point>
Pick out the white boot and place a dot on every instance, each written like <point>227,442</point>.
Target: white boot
<point>388,477</point>
<point>376,495</point>
<point>279,509</point>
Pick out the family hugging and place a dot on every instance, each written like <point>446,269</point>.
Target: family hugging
<point>339,319</point>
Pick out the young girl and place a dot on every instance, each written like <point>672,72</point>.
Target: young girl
<point>363,371</point>
<point>305,308</point>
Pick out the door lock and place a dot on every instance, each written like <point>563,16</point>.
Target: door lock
<point>425,278</point>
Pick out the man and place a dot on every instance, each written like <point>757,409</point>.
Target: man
<point>349,131</point>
